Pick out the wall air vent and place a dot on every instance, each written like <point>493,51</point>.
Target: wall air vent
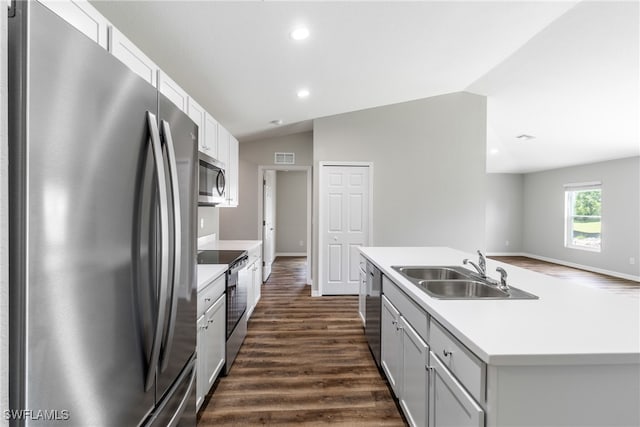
<point>284,159</point>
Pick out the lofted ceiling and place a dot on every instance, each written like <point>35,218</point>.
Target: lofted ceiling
<point>565,72</point>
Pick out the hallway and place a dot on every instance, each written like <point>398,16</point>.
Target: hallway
<point>304,361</point>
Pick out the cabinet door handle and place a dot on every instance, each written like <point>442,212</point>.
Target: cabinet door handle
<point>207,299</point>
<point>446,353</point>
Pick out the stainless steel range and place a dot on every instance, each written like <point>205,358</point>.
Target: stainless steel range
<point>236,296</point>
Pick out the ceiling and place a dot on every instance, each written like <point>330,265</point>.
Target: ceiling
<point>565,72</point>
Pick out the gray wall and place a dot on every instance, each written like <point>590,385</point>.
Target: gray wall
<point>291,212</point>
<point>429,180</point>
<point>242,222</point>
<point>544,214</point>
<point>504,212</point>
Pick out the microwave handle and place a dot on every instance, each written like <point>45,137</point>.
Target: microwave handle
<point>220,185</point>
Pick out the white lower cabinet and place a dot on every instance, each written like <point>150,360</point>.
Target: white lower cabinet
<point>210,338</point>
<point>391,344</point>
<point>252,275</point>
<point>450,404</point>
<point>210,348</point>
<point>362,296</point>
<point>201,389</point>
<point>414,378</point>
<point>404,361</point>
<point>437,388</point>
<point>215,339</point>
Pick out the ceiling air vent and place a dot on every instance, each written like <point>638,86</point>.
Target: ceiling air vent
<point>284,159</point>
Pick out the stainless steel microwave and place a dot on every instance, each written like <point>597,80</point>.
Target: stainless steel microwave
<point>212,185</point>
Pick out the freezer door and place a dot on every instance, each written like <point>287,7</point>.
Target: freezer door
<point>180,145</point>
<point>83,279</point>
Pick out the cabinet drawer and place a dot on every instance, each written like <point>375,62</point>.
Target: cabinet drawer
<point>363,263</point>
<point>255,254</point>
<point>463,364</point>
<point>414,314</point>
<point>208,295</point>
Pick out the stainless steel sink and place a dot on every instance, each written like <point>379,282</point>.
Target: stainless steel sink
<point>460,289</point>
<point>453,282</point>
<point>434,273</point>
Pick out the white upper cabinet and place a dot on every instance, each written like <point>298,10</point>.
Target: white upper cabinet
<point>233,172</point>
<point>210,136</point>
<point>228,153</point>
<point>173,91</point>
<point>213,139</point>
<point>197,114</point>
<point>83,17</point>
<point>127,52</point>
<point>223,147</point>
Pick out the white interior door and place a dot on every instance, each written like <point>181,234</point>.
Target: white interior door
<point>344,222</point>
<point>268,222</point>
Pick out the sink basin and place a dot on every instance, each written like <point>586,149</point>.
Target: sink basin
<point>460,289</point>
<point>453,282</point>
<point>434,273</point>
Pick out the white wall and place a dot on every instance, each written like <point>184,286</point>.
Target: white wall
<point>208,220</point>
<point>504,212</point>
<point>291,212</point>
<point>429,182</point>
<point>242,222</point>
<point>544,215</point>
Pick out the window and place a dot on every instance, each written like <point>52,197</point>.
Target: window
<point>583,220</point>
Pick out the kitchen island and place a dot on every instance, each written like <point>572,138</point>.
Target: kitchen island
<point>570,357</point>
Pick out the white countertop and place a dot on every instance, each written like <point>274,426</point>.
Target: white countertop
<point>210,243</point>
<point>209,272</point>
<point>568,324</point>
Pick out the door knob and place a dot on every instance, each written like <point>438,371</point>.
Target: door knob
<point>335,238</point>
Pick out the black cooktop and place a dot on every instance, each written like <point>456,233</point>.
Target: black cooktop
<point>219,257</point>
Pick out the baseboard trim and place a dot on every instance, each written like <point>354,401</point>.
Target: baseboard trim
<point>506,254</point>
<point>571,264</point>
<point>290,254</point>
<point>315,293</point>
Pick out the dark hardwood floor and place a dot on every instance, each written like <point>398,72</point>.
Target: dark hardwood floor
<point>583,277</point>
<point>305,361</point>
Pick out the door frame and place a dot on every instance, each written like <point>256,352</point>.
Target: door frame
<point>308,170</point>
<point>322,216</point>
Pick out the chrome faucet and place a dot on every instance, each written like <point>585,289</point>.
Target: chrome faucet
<point>481,266</point>
<point>503,279</point>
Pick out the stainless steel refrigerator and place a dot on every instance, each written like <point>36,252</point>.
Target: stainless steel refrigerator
<point>102,236</point>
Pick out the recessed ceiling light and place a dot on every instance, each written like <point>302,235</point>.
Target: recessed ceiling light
<point>299,33</point>
<point>276,122</point>
<point>524,137</point>
<point>494,151</point>
<point>303,93</point>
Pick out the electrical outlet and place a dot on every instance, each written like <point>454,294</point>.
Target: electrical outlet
<point>506,243</point>
<point>632,260</point>
<point>301,243</point>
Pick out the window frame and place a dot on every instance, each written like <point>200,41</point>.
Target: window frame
<point>569,202</point>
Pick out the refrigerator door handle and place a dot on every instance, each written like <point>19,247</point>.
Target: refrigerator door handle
<point>183,403</point>
<point>167,141</point>
<point>154,136</point>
